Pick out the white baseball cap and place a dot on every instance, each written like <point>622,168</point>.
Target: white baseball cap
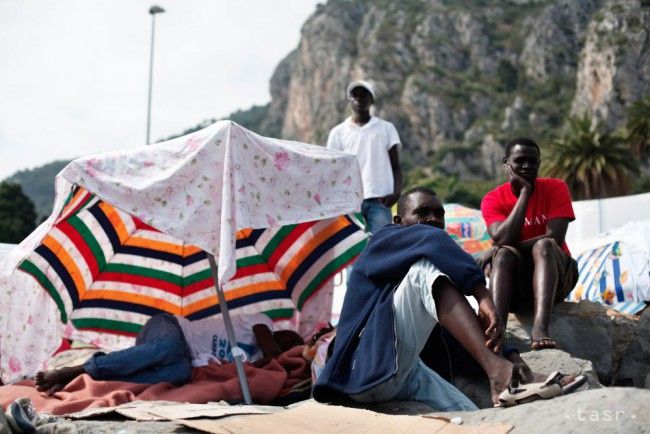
<point>361,83</point>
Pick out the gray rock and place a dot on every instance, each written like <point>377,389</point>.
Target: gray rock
<point>554,39</point>
<point>614,62</point>
<point>634,368</point>
<point>605,410</point>
<point>444,68</point>
<point>548,361</point>
<point>112,427</point>
<point>587,331</point>
<point>543,362</point>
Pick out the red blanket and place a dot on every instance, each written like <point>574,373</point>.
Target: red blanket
<point>209,383</point>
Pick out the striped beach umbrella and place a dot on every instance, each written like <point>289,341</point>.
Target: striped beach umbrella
<point>108,271</point>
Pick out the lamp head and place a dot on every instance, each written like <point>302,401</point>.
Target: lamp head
<point>155,9</point>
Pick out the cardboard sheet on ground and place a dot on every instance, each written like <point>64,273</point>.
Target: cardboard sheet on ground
<point>316,418</point>
<point>168,410</point>
<point>211,410</point>
<point>137,410</point>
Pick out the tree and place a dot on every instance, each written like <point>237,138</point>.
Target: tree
<point>38,185</point>
<point>17,216</point>
<point>594,162</point>
<point>638,127</point>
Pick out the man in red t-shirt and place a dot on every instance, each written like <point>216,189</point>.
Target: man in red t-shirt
<point>527,218</point>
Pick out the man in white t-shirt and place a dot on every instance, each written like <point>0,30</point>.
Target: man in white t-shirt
<point>208,341</point>
<point>168,346</point>
<point>376,144</point>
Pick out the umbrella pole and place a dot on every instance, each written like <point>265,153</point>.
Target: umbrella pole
<point>237,353</point>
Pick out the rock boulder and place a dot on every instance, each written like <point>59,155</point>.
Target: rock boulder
<point>587,331</point>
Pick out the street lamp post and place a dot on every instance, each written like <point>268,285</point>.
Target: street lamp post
<point>153,10</point>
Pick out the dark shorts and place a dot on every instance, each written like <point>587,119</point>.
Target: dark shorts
<point>522,299</point>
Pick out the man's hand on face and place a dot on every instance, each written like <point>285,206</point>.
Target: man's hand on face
<point>389,200</point>
<point>517,180</point>
<point>491,323</point>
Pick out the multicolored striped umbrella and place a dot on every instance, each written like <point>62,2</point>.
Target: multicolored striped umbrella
<point>108,271</point>
<point>467,227</point>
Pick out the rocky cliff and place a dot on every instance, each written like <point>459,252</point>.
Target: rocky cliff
<point>458,77</point>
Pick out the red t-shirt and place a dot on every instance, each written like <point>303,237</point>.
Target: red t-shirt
<point>550,200</point>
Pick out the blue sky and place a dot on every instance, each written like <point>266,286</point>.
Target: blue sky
<point>74,74</point>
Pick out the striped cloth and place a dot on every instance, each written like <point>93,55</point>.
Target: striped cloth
<point>108,271</point>
<point>604,279</point>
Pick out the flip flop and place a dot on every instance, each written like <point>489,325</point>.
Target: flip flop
<point>536,344</point>
<point>578,381</point>
<point>523,393</point>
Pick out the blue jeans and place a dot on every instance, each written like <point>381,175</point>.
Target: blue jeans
<point>160,355</point>
<point>376,214</point>
<point>415,317</point>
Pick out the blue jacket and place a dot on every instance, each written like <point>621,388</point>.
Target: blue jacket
<point>364,353</point>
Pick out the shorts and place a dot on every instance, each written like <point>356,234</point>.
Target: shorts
<point>522,299</point>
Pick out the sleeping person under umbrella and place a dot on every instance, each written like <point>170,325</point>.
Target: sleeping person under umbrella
<point>168,346</point>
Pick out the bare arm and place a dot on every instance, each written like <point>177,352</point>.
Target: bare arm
<point>390,199</point>
<point>555,228</point>
<point>490,322</point>
<point>265,341</point>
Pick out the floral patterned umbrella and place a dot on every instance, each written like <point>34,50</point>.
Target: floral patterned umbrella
<point>186,197</point>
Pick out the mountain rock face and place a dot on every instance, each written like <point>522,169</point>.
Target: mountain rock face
<point>460,77</point>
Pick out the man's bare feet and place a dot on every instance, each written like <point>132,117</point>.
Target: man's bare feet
<point>52,381</point>
<point>542,344</point>
<point>540,339</point>
<point>500,377</point>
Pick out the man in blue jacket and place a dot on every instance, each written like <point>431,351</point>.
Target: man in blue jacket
<point>410,277</point>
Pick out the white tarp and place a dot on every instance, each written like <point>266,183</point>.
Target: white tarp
<point>593,217</point>
<point>615,268</point>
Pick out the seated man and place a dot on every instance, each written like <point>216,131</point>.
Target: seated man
<point>527,217</point>
<point>168,346</point>
<point>410,277</point>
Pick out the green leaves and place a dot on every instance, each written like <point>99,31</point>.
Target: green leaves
<point>592,161</point>
<point>17,215</point>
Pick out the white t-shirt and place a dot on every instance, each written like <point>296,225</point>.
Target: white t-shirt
<point>370,143</point>
<point>207,338</point>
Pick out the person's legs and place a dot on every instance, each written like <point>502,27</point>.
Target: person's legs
<point>424,297</point>
<point>160,355</point>
<point>457,316</point>
<point>546,255</point>
<point>425,385</point>
<point>415,317</point>
<point>376,214</point>
<point>154,362</point>
<point>503,280</point>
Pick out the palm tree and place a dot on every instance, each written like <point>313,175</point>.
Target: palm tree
<point>594,162</point>
<point>638,127</point>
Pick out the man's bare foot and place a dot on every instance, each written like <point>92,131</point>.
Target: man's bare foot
<point>540,339</point>
<point>56,379</point>
<point>500,378</point>
<point>542,344</point>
